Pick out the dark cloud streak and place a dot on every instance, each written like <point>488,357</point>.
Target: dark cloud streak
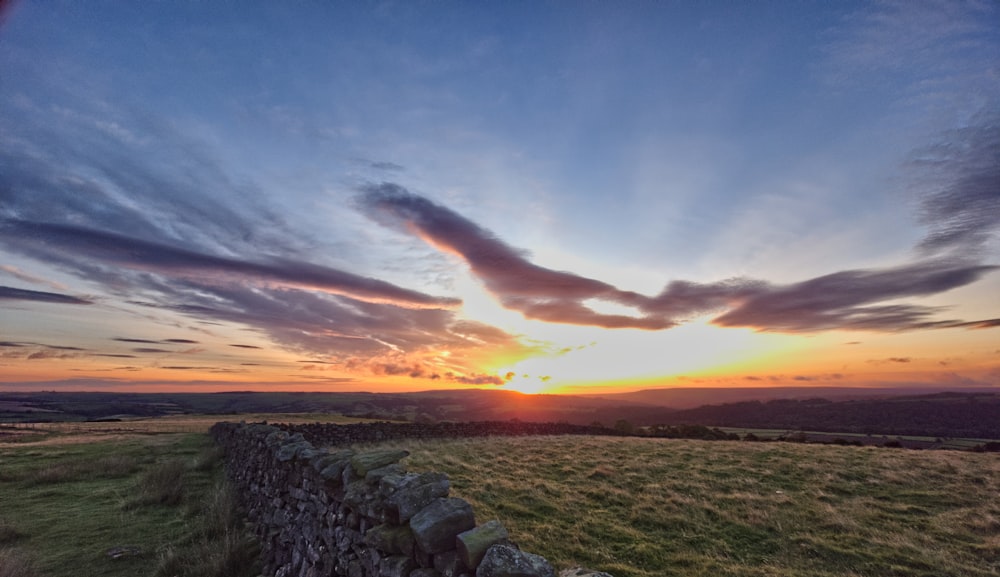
<point>74,244</point>
<point>11,293</point>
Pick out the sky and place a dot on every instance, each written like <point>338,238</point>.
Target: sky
<point>578,197</point>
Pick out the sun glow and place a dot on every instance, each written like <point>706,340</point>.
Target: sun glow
<point>628,356</point>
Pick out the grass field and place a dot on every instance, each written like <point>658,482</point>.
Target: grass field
<point>633,507</point>
<point>148,491</point>
<point>140,506</point>
<point>655,507</point>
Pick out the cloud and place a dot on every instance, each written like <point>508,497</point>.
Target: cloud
<point>958,178</point>
<point>37,355</point>
<point>181,341</point>
<point>11,293</point>
<point>142,341</point>
<point>537,292</point>
<point>383,165</point>
<point>984,324</point>
<point>852,299</point>
<point>357,335</point>
<point>245,346</point>
<point>21,275</point>
<point>73,245</point>
<point>895,360</point>
<point>150,350</point>
<point>150,234</point>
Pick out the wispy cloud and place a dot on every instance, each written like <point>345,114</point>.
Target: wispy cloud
<point>537,292</point>
<point>21,275</point>
<point>853,299</point>
<point>74,245</point>
<point>958,179</point>
<point>932,37</point>
<point>11,293</point>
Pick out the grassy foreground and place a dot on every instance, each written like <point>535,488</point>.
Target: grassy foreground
<point>655,507</point>
<point>150,505</point>
<point>633,507</point>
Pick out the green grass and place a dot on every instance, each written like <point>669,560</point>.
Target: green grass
<point>159,498</point>
<point>651,507</point>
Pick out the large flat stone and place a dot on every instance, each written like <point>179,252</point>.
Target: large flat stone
<point>364,462</point>
<point>473,544</point>
<point>436,525</point>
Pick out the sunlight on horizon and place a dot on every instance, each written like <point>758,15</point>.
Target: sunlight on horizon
<point>618,357</point>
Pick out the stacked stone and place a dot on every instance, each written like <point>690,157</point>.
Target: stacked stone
<point>359,514</point>
<point>326,434</point>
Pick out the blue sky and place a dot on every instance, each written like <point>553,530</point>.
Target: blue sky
<point>444,193</point>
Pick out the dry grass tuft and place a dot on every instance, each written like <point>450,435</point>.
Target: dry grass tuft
<point>14,563</point>
<point>220,547</point>
<point>162,483</point>
<point>109,467</point>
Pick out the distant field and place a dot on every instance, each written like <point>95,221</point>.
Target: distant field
<point>67,432</point>
<point>654,507</point>
<point>910,441</point>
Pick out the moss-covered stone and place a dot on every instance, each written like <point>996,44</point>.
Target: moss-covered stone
<point>393,539</point>
<point>289,451</point>
<point>364,462</point>
<point>473,544</point>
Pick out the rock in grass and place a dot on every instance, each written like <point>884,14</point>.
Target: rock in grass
<point>436,525</point>
<point>506,561</point>
<point>473,544</point>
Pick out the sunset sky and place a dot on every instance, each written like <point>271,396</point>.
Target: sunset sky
<point>538,196</point>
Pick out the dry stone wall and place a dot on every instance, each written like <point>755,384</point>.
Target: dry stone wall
<point>339,511</point>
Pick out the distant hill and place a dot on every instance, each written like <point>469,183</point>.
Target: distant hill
<point>875,411</point>
<point>968,415</point>
<point>691,397</point>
